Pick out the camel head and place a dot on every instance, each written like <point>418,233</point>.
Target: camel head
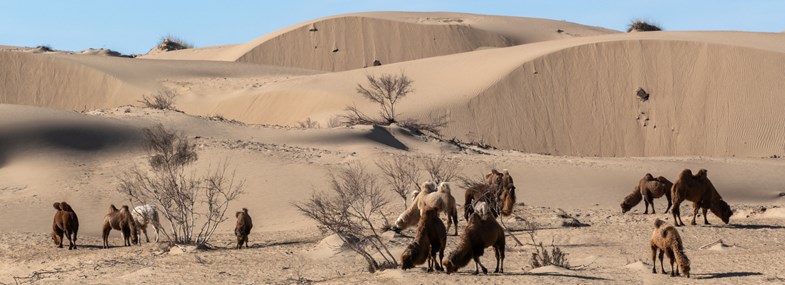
<point>55,238</point>
<point>409,255</point>
<point>725,212</point>
<point>449,264</point>
<point>685,268</point>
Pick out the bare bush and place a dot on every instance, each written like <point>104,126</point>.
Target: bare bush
<point>434,125</point>
<point>336,121</point>
<point>386,90</point>
<point>401,173</point>
<point>541,256</point>
<point>308,124</point>
<point>170,43</point>
<point>194,206</point>
<point>441,169</point>
<point>349,210</point>
<point>162,100</point>
<point>639,25</point>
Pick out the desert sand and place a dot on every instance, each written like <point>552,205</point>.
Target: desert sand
<point>555,100</point>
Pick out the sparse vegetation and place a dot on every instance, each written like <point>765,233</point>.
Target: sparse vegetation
<point>170,43</point>
<point>308,124</point>
<point>640,25</point>
<point>193,205</point>
<point>541,255</point>
<point>401,173</point>
<point>44,48</point>
<point>440,169</point>
<point>349,210</point>
<point>387,90</point>
<point>162,100</point>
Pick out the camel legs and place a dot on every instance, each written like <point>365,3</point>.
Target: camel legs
<point>439,264</point>
<point>670,203</point>
<point>695,208</point>
<point>454,216</point>
<point>653,259</point>
<point>106,236</point>
<point>676,211</point>
<point>144,230</point>
<point>647,199</point>
<point>705,219</point>
<point>499,260</point>
<point>477,263</point>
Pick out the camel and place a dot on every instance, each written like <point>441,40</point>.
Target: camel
<point>431,238</point>
<point>498,192</point>
<point>122,221</point>
<point>65,223</point>
<point>701,192</point>
<point>243,228</point>
<point>665,239</point>
<point>478,234</point>
<point>437,197</point>
<point>648,189</point>
<point>145,215</point>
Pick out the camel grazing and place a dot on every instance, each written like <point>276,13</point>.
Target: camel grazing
<point>437,197</point>
<point>701,192</point>
<point>431,238</point>
<point>243,228</point>
<point>498,192</point>
<point>665,239</point>
<point>122,221</point>
<point>648,189</point>
<point>478,234</point>
<point>146,215</point>
<point>65,223</point>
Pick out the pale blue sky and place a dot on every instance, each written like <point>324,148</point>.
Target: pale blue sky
<point>136,26</point>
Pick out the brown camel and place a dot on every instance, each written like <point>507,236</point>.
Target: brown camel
<point>648,189</point>
<point>65,223</point>
<point>701,192</point>
<point>122,221</point>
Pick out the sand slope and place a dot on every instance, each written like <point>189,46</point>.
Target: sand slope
<point>354,41</point>
<point>571,96</point>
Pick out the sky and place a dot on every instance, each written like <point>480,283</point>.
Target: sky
<point>134,27</point>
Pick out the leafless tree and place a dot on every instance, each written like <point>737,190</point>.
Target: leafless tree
<point>401,173</point>
<point>181,196</point>
<point>441,169</point>
<point>349,210</point>
<point>162,100</point>
<point>386,90</point>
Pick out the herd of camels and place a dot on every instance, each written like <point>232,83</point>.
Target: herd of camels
<point>484,203</point>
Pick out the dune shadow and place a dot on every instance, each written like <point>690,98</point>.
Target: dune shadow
<point>728,275</point>
<point>383,136</point>
<point>80,137</point>
<point>754,227</point>
<point>554,274</point>
<point>280,243</point>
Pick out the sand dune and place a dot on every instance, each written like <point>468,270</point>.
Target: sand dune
<point>354,41</point>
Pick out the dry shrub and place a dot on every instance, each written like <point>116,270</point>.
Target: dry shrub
<point>541,256</point>
<point>170,43</point>
<point>308,124</point>
<point>386,90</point>
<point>639,25</point>
<point>161,100</point>
<point>193,205</point>
<point>401,173</point>
<point>441,169</point>
<point>348,209</point>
